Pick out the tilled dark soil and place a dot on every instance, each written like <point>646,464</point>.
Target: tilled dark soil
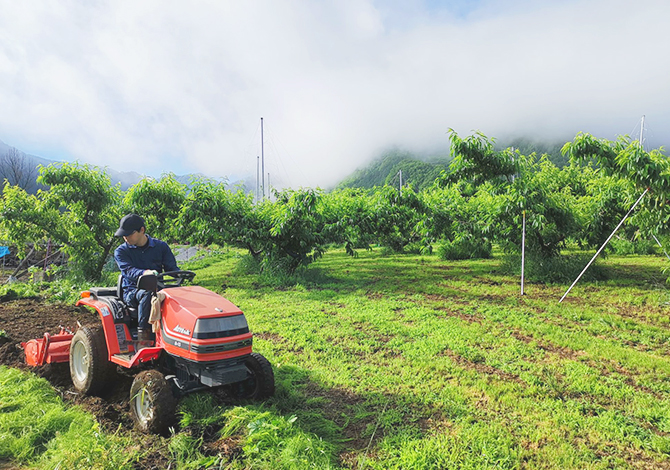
<point>23,320</point>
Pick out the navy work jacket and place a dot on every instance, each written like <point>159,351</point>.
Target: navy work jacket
<point>134,260</point>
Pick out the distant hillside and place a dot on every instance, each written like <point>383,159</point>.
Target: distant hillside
<point>527,145</point>
<point>21,168</point>
<point>422,172</point>
<point>417,172</point>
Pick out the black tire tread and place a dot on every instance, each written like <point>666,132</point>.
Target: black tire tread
<point>164,401</point>
<point>263,379</point>
<point>102,371</point>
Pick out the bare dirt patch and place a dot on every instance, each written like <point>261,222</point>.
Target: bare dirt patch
<point>23,320</point>
<point>482,368</point>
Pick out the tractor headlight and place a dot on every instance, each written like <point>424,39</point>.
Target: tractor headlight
<point>220,327</point>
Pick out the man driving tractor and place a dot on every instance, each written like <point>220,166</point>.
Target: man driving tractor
<point>140,254</point>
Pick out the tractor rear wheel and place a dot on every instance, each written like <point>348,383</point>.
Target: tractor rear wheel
<point>261,384</point>
<point>90,368</point>
<point>152,403</point>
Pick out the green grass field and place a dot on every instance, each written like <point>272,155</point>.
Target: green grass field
<point>411,362</point>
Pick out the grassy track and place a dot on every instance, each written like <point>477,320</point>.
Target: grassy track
<point>412,362</point>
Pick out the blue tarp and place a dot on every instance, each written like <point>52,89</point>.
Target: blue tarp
<point>4,250</point>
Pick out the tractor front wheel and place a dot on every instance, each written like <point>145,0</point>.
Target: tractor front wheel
<point>260,384</point>
<point>90,368</point>
<point>152,403</point>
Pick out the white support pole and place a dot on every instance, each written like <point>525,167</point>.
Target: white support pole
<point>659,244</point>
<point>604,244</point>
<point>263,163</point>
<point>523,249</point>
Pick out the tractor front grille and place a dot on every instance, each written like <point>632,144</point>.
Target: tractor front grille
<point>222,347</point>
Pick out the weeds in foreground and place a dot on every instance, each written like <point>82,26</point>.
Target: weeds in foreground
<point>37,428</point>
<point>412,362</point>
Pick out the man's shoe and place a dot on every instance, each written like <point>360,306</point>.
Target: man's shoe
<point>145,339</point>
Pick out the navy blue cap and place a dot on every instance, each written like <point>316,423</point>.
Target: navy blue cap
<point>129,224</point>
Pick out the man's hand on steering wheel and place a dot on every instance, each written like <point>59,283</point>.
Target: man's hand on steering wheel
<point>179,277</point>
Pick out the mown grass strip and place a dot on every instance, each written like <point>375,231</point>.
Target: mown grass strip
<point>437,365</point>
<point>429,356</point>
<point>38,429</point>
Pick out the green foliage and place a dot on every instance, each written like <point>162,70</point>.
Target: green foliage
<point>184,450</point>
<point>624,246</point>
<point>65,289</point>
<point>478,202</point>
<point>348,218</point>
<point>545,193</point>
<point>626,160</point>
<point>465,247</point>
<point>296,230</point>
<point>500,185</point>
<point>557,269</point>
<point>397,217</point>
<point>528,145</point>
<point>602,207</point>
<point>90,212</point>
<point>213,214</point>
<point>79,211</point>
<point>159,203</point>
<point>26,219</point>
<point>475,159</point>
<point>281,235</point>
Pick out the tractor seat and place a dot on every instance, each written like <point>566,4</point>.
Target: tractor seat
<point>132,312</point>
<point>97,292</point>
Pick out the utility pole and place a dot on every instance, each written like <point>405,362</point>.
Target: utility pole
<point>263,159</point>
<point>642,132</point>
<point>268,185</point>
<point>400,190</point>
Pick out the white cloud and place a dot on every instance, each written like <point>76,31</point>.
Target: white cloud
<point>173,86</point>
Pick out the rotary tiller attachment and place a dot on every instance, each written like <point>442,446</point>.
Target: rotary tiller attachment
<point>49,349</point>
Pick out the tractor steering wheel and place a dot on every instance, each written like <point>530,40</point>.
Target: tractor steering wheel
<point>176,278</point>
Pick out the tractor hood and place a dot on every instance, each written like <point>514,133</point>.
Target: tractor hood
<point>184,306</point>
<point>199,302</point>
<point>200,325</point>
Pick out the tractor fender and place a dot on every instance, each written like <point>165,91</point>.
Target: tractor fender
<point>108,326</point>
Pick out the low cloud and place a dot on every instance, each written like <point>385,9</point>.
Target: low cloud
<point>164,86</point>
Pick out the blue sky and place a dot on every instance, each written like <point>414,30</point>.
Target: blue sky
<point>158,86</point>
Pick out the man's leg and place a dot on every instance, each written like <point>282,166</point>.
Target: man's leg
<point>143,308</point>
<point>141,300</point>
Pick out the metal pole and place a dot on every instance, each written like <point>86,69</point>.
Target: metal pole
<point>659,244</point>
<point>604,244</point>
<point>642,132</point>
<point>258,177</point>
<point>523,249</point>
<point>400,171</point>
<point>262,159</point>
<point>48,252</point>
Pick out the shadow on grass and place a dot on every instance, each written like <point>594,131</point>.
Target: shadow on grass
<point>352,422</point>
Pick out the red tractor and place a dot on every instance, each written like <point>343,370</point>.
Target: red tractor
<point>203,341</point>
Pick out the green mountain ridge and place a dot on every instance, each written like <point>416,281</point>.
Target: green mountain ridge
<point>417,172</point>
<point>420,172</point>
